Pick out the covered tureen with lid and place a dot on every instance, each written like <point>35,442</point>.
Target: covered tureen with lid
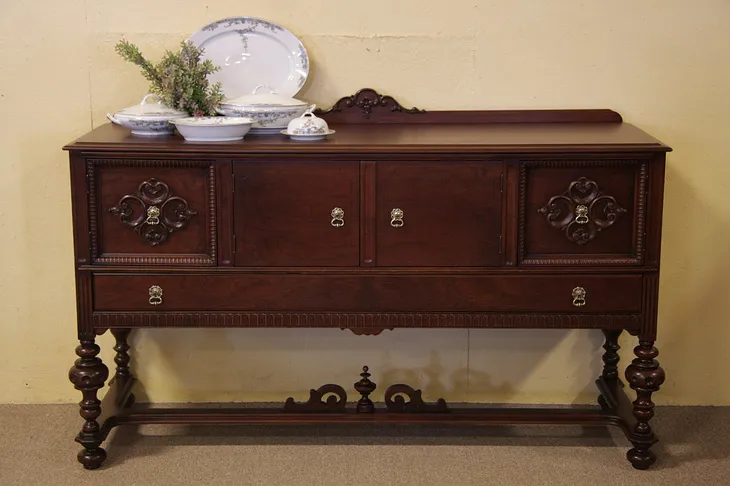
<point>147,118</point>
<point>270,112</point>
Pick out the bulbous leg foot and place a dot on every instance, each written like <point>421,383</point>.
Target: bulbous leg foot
<point>640,458</point>
<point>92,458</point>
<point>645,376</point>
<point>88,375</point>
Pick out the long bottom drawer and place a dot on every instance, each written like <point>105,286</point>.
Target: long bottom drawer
<point>377,293</point>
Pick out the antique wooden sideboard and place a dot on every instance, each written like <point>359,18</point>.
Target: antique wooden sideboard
<point>403,219</point>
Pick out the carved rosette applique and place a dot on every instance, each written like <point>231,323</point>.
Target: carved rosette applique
<point>153,212</point>
<point>582,211</point>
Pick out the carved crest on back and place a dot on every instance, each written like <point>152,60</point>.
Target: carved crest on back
<point>368,105</point>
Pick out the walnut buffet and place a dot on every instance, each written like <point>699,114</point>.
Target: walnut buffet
<point>403,219</point>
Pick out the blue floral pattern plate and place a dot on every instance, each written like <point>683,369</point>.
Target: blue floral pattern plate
<point>252,52</point>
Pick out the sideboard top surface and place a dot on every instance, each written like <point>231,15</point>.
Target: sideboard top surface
<point>401,138</point>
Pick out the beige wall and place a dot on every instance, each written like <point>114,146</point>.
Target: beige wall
<point>663,64</point>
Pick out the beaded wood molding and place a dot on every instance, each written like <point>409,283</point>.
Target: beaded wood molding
<point>354,321</point>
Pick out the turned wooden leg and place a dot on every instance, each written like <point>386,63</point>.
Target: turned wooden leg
<point>122,360</point>
<point>610,367</point>
<point>611,357</point>
<point>645,376</point>
<point>88,375</point>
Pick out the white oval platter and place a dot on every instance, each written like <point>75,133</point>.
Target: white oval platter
<point>252,52</point>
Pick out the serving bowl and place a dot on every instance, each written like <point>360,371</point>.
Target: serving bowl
<point>212,128</point>
<point>270,112</point>
<point>147,119</point>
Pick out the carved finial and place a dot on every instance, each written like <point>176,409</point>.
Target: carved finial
<point>365,387</point>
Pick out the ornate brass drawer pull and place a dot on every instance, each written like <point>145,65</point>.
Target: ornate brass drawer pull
<point>155,295</point>
<point>153,215</point>
<point>579,296</point>
<point>396,218</point>
<point>581,214</point>
<point>338,218</point>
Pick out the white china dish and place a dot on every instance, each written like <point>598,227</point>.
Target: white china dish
<point>270,111</point>
<point>307,124</point>
<point>308,128</point>
<point>250,52</point>
<point>308,137</point>
<point>265,131</point>
<point>147,119</point>
<point>212,128</point>
<point>263,118</point>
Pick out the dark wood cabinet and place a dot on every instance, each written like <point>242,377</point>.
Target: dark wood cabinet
<point>547,219</point>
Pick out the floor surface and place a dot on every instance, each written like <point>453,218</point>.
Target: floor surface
<point>37,448</point>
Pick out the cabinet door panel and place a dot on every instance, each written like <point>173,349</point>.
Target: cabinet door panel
<point>451,213</point>
<point>583,212</point>
<point>284,213</point>
<point>152,211</point>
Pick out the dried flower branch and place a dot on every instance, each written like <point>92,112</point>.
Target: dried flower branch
<point>180,79</point>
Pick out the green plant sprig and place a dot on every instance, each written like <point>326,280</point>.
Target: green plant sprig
<point>180,79</point>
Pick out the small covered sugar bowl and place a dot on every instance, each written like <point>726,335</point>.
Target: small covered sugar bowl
<point>308,127</point>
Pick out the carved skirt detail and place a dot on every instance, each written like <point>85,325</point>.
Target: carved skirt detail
<point>395,401</point>
<point>335,402</point>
